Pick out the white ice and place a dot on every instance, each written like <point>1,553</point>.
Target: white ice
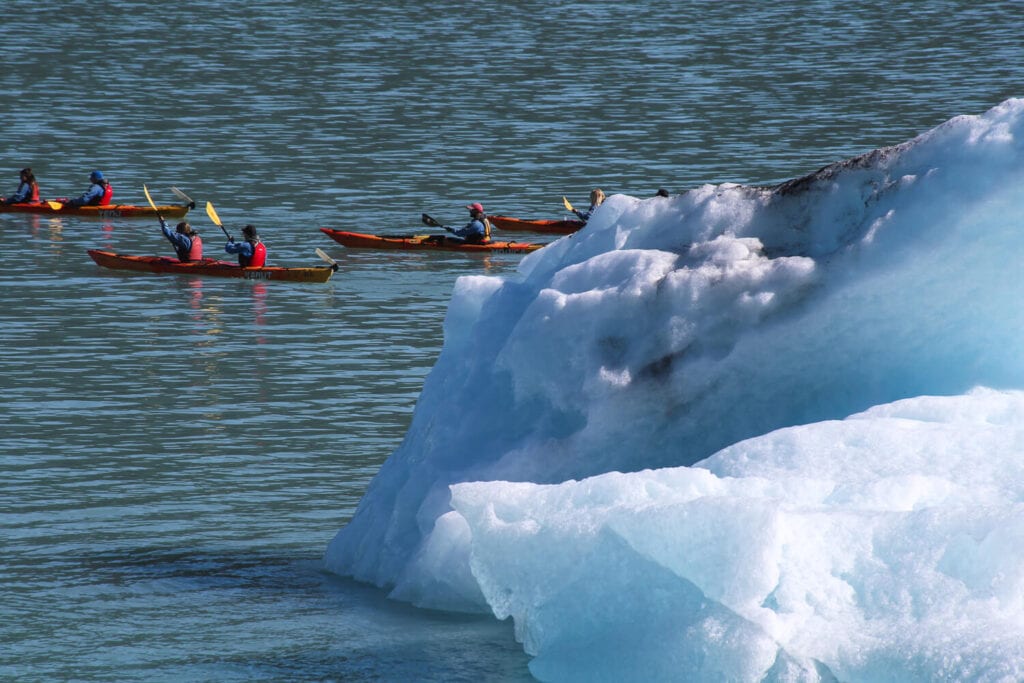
<point>741,433</point>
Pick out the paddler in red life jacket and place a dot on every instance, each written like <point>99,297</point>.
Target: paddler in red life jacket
<point>100,193</point>
<point>187,242</point>
<point>251,252</point>
<point>28,189</point>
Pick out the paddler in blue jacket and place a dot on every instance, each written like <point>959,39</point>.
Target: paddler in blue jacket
<point>187,242</point>
<point>596,198</point>
<point>252,253</point>
<point>28,189</point>
<point>478,230</point>
<point>99,192</point>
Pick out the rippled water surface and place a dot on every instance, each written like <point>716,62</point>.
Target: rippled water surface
<point>176,451</point>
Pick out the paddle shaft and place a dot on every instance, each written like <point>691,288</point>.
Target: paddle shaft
<point>212,213</point>
<point>427,220</point>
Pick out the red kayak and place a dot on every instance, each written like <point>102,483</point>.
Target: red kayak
<point>552,227</point>
<point>358,240</point>
<point>164,264</point>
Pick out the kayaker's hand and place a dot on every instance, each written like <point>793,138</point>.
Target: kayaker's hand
<point>231,240</point>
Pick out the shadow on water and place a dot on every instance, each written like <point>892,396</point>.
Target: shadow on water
<point>286,618</point>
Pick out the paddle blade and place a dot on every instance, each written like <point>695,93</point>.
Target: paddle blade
<point>427,220</point>
<point>189,202</point>
<point>568,206</point>
<point>212,213</point>
<point>56,206</point>
<point>149,199</point>
<point>323,254</point>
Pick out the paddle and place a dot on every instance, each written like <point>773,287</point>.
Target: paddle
<point>568,206</point>
<point>56,206</point>
<point>427,220</point>
<point>323,254</point>
<point>150,200</point>
<point>212,213</point>
<point>183,197</point>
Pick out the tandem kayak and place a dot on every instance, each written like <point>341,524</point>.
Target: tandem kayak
<point>164,264</point>
<point>358,240</point>
<point>101,211</point>
<point>552,227</point>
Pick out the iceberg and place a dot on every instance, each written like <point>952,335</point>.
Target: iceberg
<point>741,433</point>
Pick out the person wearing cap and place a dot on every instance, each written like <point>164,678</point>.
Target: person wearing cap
<point>477,230</point>
<point>28,189</point>
<point>596,197</point>
<point>99,193</point>
<point>188,245</point>
<point>251,251</point>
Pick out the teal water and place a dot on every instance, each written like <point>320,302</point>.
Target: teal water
<point>177,452</point>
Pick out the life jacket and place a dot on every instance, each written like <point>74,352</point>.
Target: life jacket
<point>108,194</point>
<point>258,258</point>
<point>34,195</point>
<point>195,253</point>
<point>487,229</point>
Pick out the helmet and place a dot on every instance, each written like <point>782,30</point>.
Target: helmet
<point>96,175</point>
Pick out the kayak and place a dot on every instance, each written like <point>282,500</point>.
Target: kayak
<point>164,264</point>
<point>358,240</point>
<point>554,227</point>
<point>101,211</point>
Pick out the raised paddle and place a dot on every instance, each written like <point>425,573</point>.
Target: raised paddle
<point>183,197</point>
<point>212,213</point>
<point>150,200</point>
<point>427,220</point>
<point>323,254</point>
<point>568,206</point>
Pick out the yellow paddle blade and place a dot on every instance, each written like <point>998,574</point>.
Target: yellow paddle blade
<point>148,198</point>
<point>212,213</point>
<point>56,206</point>
<point>567,204</point>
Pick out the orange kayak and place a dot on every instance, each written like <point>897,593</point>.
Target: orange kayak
<point>358,240</point>
<point>102,211</point>
<point>552,227</point>
<point>164,264</point>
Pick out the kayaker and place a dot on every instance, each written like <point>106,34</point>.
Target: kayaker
<point>28,189</point>
<point>596,197</point>
<point>662,192</point>
<point>100,192</point>
<point>477,230</point>
<point>187,242</point>
<point>251,252</point>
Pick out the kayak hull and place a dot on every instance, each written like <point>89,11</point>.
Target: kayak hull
<point>551,227</point>
<point>103,211</point>
<point>207,267</point>
<point>358,240</point>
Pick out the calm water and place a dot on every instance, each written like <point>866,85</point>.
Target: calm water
<point>177,452</point>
